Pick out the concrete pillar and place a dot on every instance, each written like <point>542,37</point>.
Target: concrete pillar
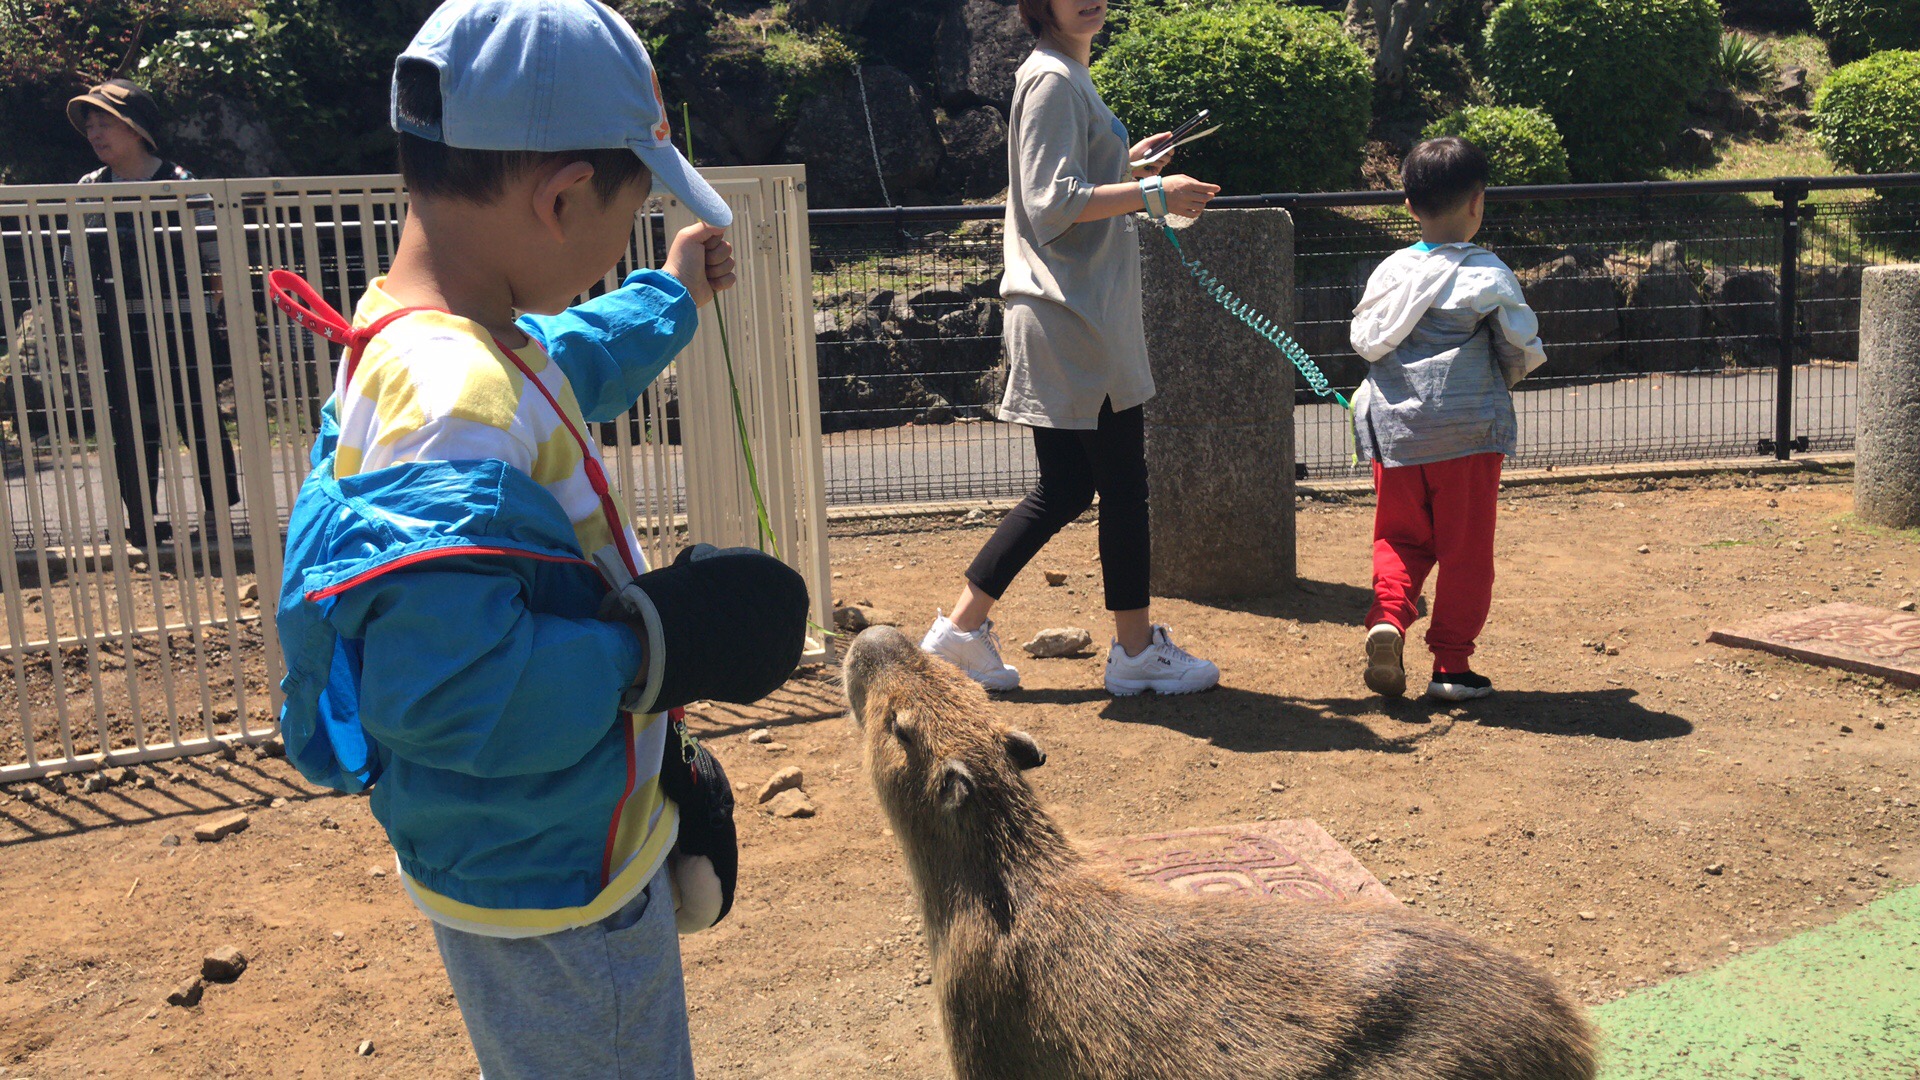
<point>1220,427</point>
<point>1886,472</point>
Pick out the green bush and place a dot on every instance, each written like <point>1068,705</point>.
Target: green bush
<point>1773,14</point>
<point>1867,114</point>
<point>1522,145</point>
<point>1615,75</point>
<point>1856,28</point>
<point>1742,62</point>
<point>1293,92</point>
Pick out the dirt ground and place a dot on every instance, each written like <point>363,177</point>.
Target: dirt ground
<point>1634,804</point>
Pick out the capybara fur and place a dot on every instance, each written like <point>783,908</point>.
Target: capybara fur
<point>1046,968</point>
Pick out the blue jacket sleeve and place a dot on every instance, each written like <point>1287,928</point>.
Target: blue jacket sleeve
<point>512,692</point>
<point>612,346</point>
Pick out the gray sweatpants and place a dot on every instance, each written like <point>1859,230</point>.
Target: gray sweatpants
<point>599,1002</point>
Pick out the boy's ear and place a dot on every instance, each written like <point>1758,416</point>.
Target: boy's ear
<point>552,191</point>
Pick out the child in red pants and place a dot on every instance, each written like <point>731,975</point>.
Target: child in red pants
<point>1445,333</point>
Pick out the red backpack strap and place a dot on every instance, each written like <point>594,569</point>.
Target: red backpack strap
<point>304,305</point>
<point>589,460</point>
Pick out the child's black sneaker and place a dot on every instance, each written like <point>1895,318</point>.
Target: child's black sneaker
<point>1459,686</point>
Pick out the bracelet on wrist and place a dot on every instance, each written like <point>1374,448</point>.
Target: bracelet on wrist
<point>1150,190</point>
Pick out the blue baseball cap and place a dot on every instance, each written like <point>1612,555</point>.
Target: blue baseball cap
<point>550,75</point>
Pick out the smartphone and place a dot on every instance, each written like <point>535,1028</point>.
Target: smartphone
<point>1177,134</point>
<point>1181,131</point>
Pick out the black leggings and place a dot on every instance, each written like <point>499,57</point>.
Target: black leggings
<point>132,360</point>
<point>1074,465</point>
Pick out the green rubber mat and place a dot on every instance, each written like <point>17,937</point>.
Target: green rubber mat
<point>1839,1002</point>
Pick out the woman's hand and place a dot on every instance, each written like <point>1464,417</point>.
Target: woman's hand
<point>1145,148</point>
<point>1187,197</point>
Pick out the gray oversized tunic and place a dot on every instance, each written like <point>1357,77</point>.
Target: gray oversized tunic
<point>1073,332</point>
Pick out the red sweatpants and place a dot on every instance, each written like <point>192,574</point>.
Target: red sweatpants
<point>1439,514</point>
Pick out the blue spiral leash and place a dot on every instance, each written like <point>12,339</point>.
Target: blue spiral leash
<point>1260,324</point>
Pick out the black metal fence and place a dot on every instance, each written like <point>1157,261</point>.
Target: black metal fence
<point>1683,321</point>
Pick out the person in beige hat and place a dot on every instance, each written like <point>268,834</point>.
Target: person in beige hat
<point>121,121</point>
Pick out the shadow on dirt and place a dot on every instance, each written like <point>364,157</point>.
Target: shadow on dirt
<point>1246,721</point>
<point>1310,602</point>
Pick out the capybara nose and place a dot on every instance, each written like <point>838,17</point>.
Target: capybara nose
<point>877,649</point>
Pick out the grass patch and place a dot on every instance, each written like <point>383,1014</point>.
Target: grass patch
<point>1852,521</point>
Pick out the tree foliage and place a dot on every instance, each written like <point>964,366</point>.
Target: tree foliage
<point>1867,114</point>
<point>1522,145</point>
<point>1615,75</point>
<point>1289,88</point>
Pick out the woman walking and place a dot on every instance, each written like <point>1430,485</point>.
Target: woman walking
<point>120,121</point>
<point>1077,370</point>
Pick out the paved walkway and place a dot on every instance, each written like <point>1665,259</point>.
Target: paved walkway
<point>1839,1002</point>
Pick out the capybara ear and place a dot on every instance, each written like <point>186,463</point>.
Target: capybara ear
<point>956,783</point>
<point>1024,752</point>
<point>904,724</point>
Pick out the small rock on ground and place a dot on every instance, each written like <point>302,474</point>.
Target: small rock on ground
<point>220,828</point>
<point>1056,577</point>
<point>760,735</point>
<point>223,964</point>
<point>365,1048</point>
<point>187,994</point>
<point>792,803</point>
<point>1061,641</point>
<point>784,780</point>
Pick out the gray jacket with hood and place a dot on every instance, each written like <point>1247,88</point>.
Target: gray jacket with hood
<point>1445,332</point>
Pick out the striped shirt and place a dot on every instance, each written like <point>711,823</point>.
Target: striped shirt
<point>436,387</point>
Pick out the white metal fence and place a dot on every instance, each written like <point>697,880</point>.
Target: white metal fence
<point>156,413</point>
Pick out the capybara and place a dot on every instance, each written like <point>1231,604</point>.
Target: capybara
<point>1049,969</point>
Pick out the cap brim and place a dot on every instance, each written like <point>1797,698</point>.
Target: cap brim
<point>672,170</point>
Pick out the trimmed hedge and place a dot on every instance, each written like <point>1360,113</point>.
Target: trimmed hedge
<point>1856,28</point>
<point>1615,75</point>
<point>1522,145</point>
<point>1867,114</point>
<point>1293,92</point>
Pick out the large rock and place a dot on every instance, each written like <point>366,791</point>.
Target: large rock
<point>734,96</point>
<point>37,357</point>
<point>1829,311</point>
<point>982,44</point>
<point>1744,305</point>
<point>831,136</point>
<point>1325,318</point>
<point>839,14</point>
<point>1886,478</point>
<point>1579,315</point>
<point>976,147</point>
<point>225,137</point>
<point>1662,317</point>
<point>1220,429</point>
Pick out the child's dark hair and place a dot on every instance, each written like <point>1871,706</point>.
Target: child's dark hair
<point>1440,174</point>
<point>1039,16</point>
<point>449,172</point>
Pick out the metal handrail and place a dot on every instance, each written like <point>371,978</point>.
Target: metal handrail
<point>1330,199</point>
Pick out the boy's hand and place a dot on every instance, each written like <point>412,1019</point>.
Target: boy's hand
<point>702,259</point>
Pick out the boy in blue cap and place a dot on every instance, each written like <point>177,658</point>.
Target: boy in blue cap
<point>469,630</point>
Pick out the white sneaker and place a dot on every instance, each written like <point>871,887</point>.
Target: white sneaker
<point>1386,670</point>
<point>1162,667</point>
<point>977,654</point>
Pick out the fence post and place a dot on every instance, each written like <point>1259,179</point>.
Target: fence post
<point>1220,428</point>
<point>1886,489</point>
<point>1789,196</point>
